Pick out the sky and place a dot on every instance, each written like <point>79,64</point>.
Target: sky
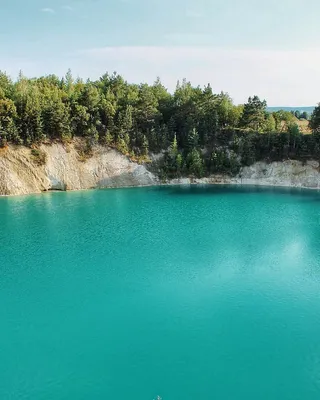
<point>244,47</point>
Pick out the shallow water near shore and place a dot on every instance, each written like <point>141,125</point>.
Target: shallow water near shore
<point>188,293</point>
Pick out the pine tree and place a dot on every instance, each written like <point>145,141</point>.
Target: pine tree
<point>254,114</point>
<point>8,114</point>
<point>192,139</point>
<point>195,163</point>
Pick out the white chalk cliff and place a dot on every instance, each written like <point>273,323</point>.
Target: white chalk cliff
<point>64,169</point>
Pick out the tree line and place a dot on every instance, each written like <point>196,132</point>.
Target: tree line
<point>197,130</point>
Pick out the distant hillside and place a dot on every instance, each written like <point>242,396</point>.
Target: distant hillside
<point>309,110</point>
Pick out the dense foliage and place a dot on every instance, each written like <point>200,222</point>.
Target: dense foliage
<point>198,131</point>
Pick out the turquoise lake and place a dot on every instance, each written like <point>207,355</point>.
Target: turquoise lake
<point>184,293</point>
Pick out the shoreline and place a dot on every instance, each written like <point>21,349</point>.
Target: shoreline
<point>169,184</point>
<point>107,168</point>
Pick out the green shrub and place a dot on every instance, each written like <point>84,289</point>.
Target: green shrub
<point>39,157</point>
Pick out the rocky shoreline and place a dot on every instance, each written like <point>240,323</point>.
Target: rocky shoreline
<point>106,168</point>
<point>288,173</point>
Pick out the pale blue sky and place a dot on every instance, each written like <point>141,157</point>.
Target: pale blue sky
<point>271,48</point>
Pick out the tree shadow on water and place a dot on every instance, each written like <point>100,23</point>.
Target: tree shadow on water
<point>193,190</point>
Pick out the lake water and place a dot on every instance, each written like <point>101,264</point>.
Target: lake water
<point>186,293</point>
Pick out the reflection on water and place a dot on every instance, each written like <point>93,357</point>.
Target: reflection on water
<point>191,292</point>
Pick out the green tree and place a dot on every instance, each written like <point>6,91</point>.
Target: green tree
<point>79,119</point>
<point>146,109</point>
<point>270,123</point>
<point>8,114</point>
<point>193,139</point>
<point>254,114</point>
<point>195,163</point>
<point>314,122</point>
<point>29,112</point>
<point>225,109</point>
<point>283,119</point>
<point>174,159</point>
<point>68,82</point>
<point>174,148</point>
<point>6,86</point>
<point>56,116</point>
<point>125,125</point>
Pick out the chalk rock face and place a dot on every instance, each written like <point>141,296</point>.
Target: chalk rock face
<point>286,173</point>
<point>56,184</point>
<point>65,170</point>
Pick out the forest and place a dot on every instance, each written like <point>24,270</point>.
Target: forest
<point>199,132</point>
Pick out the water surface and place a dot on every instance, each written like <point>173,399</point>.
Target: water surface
<point>187,293</point>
